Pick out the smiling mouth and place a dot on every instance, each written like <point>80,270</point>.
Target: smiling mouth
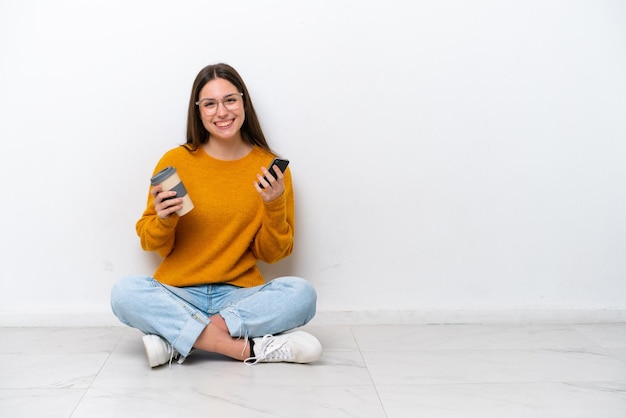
<point>224,124</point>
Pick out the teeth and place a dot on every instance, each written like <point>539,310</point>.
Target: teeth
<point>222,124</point>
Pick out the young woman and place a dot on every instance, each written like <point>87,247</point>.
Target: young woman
<point>208,293</point>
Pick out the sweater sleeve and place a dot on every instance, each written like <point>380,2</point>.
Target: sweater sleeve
<point>156,234</point>
<point>275,237</point>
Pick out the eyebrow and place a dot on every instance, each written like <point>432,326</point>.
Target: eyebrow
<point>211,98</point>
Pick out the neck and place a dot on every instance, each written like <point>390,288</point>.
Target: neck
<point>226,150</point>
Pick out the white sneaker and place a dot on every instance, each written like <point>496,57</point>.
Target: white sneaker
<point>160,351</point>
<point>292,347</point>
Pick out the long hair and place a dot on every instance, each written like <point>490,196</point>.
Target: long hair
<point>197,135</point>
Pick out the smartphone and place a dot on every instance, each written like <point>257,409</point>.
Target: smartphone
<point>280,163</point>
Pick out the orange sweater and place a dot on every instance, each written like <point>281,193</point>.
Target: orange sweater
<point>230,227</point>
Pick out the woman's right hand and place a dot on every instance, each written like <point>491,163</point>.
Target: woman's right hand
<point>164,202</point>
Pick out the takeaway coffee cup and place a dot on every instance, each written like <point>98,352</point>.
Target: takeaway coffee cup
<point>169,180</point>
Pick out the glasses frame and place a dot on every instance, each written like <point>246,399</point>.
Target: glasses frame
<point>217,103</point>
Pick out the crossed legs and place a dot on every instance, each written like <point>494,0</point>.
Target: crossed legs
<point>215,318</point>
<point>216,339</point>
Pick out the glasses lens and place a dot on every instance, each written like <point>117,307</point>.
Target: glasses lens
<point>232,102</point>
<point>209,106</point>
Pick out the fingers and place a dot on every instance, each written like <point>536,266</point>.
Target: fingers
<point>165,202</point>
<point>155,192</point>
<point>269,180</point>
<point>270,186</point>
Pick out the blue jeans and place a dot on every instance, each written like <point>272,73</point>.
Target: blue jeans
<point>180,314</point>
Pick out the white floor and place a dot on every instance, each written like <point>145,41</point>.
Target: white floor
<point>502,371</point>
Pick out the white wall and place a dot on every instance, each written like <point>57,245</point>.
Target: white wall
<point>450,158</point>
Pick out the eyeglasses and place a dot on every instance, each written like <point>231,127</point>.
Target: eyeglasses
<point>230,102</point>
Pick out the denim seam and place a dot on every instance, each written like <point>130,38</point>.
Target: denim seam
<point>230,309</point>
<point>193,314</point>
<point>191,311</point>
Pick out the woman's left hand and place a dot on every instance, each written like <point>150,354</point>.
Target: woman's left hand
<point>272,187</point>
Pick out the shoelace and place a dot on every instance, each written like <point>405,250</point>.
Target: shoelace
<point>175,355</point>
<point>269,351</point>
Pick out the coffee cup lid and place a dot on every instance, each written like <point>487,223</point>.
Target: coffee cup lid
<point>162,175</point>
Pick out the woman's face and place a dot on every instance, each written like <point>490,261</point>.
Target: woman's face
<point>221,109</point>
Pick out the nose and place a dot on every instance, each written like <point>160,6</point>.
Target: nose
<point>221,109</point>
